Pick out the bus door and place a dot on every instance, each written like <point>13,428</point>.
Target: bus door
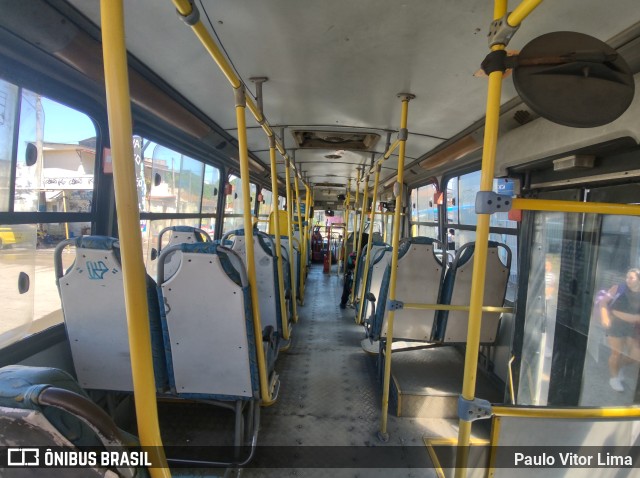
<point>562,348</point>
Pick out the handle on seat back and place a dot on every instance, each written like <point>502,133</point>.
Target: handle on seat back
<point>57,256</point>
<point>89,413</point>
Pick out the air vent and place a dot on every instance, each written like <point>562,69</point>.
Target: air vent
<point>335,140</point>
<point>522,116</point>
<point>329,185</point>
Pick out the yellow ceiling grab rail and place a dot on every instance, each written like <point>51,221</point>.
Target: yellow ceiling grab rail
<point>191,16</point>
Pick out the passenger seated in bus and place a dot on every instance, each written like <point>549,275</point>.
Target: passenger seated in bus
<point>348,280</point>
<point>620,314</point>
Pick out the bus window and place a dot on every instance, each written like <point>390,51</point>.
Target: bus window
<point>233,209</point>
<point>55,161</point>
<point>424,211</point>
<point>264,209</point>
<point>461,217</point>
<point>180,182</point>
<point>210,194</point>
<point>174,185</point>
<point>56,157</point>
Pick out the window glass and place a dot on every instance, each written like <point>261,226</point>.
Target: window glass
<point>18,262</point>
<point>610,374</point>
<point>452,201</point>
<point>427,209</point>
<point>150,233</point>
<point>211,189</point>
<point>580,344</point>
<point>414,206</point>
<point>461,200</point>
<point>233,211</point>
<point>175,181</point>
<point>62,142</point>
<point>469,184</point>
<point>424,210</point>
<point>8,109</point>
<point>264,209</point>
<point>28,249</point>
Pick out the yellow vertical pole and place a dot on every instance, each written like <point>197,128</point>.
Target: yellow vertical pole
<point>482,237</point>
<point>278,251</point>
<point>289,194</point>
<point>395,241</point>
<point>355,219</point>
<point>346,228</point>
<point>241,105</point>
<point>133,272</point>
<point>307,215</point>
<point>367,262</point>
<point>303,245</point>
<point>365,197</point>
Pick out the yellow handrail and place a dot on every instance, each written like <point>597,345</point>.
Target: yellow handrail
<point>284,312</point>
<point>516,17</point>
<point>126,196</point>
<point>390,151</point>
<point>482,236</point>
<point>289,194</point>
<point>394,268</point>
<point>185,8</point>
<point>249,251</point>
<point>544,412</point>
<point>365,197</point>
<point>346,227</point>
<point>303,246</point>
<point>462,308</point>
<point>575,207</point>
<point>355,234</point>
<point>367,260</point>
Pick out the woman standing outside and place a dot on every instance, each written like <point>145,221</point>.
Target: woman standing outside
<point>620,312</point>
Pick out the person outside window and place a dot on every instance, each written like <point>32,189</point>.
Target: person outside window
<point>620,314</point>
<point>451,239</point>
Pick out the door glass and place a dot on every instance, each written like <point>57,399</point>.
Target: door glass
<point>541,310</point>
<point>613,348</point>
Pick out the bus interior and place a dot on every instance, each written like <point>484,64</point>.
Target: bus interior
<point>444,264</point>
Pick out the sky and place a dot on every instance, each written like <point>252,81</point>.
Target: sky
<point>64,125</point>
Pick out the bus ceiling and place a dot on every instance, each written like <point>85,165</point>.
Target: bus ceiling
<point>345,91</point>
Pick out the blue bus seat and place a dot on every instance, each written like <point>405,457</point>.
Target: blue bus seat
<point>210,341</point>
<point>418,280</point>
<point>45,407</point>
<point>286,274</point>
<point>451,326</point>
<point>179,235</point>
<point>208,325</point>
<point>284,241</point>
<point>266,276</point>
<point>92,295</point>
<point>377,264</point>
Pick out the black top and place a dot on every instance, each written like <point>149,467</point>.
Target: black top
<point>626,301</point>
